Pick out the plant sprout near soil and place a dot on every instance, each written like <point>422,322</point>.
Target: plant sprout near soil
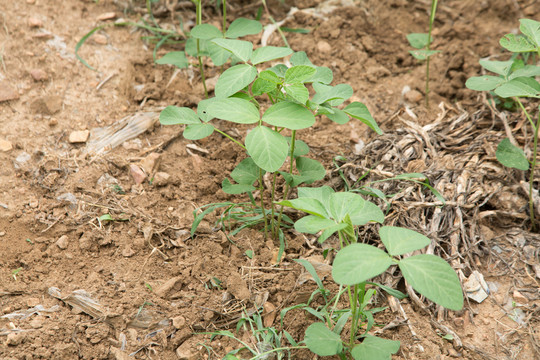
<point>516,82</point>
<point>422,43</point>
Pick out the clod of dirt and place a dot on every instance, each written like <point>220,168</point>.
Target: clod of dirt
<point>173,284</point>
<point>519,297</point>
<point>324,46</point>
<point>62,242</point>
<point>100,39</point>
<point>80,136</point>
<point>161,179</point>
<point>47,105</point>
<point>5,145</point>
<point>150,164</point>
<point>38,74</point>
<point>7,92</point>
<point>413,96</point>
<point>106,16</point>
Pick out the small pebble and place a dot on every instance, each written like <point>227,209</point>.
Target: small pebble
<point>106,16</point>
<point>161,178</point>
<point>79,136</point>
<point>137,174</point>
<point>413,96</point>
<point>53,122</point>
<point>38,75</point>
<point>100,39</point>
<point>519,297</point>
<point>179,322</point>
<point>5,145</point>
<point>324,46</point>
<point>34,22</point>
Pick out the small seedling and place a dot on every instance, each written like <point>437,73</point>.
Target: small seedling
<point>15,272</point>
<point>515,83</point>
<point>30,241</point>
<point>356,263</point>
<point>422,43</point>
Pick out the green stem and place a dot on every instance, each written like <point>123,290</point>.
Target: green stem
<point>198,12</point>
<point>287,186</point>
<point>230,138</point>
<point>431,20</point>
<point>275,229</point>
<point>224,16</point>
<point>261,189</point>
<point>533,162</point>
<point>353,300</point>
<point>274,22</point>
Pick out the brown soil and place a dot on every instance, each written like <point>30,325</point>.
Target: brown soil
<point>156,288</point>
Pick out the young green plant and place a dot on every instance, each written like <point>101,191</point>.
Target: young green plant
<point>422,44</point>
<point>516,83</point>
<point>273,139</point>
<point>355,263</point>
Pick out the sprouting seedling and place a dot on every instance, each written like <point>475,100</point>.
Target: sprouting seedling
<point>422,43</point>
<point>517,84</point>
<point>356,263</point>
<point>273,138</point>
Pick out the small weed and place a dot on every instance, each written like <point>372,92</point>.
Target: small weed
<point>422,43</point>
<point>515,82</point>
<point>15,272</point>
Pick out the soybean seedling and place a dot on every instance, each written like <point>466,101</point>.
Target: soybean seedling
<point>422,44</point>
<point>355,263</point>
<point>273,139</point>
<point>516,84</point>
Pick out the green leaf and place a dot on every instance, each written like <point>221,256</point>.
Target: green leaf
<point>270,76</point>
<point>323,75</point>
<point>498,67</point>
<point>176,58</point>
<point>261,86</point>
<point>422,54</point>
<point>531,29</point>
<point>322,193</point>
<point>174,115</point>
<point>205,32</point>
<point>309,205</point>
<point>526,71</point>
<point>375,348</point>
<point>239,48</point>
<point>218,54</point>
<point>360,111</point>
<point>202,109</point>
<point>395,293</point>
<point>520,87</point>
<point>360,211</point>
<point>432,277</point>
<point>242,27</point>
<point>322,341</point>
<point>299,74</point>
<point>279,70</point>
<point>516,43</point>
<point>289,115</point>
<point>357,263</point>
<point>335,95</point>
<point>511,156</point>
<point>331,230</point>
<point>235,110</point>
<point>235,79</point>
<point>418,40</point>
<point>235,189</point>
<point>267,53</point>
<point>198,131</point>
<point>484,83</point>
<point>399,241</point>
<point>267,147</point>
<point>310,170</point>
<point>312,224</point>
<point>300,58</point>
<point>246,172</point>
<point>298,92</point>
<point>339,116</point>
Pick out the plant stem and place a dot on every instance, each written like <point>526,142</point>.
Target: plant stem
<point>230,138</point>
<point>261,189</point>
<point>287,186</point>
<point>275,230</point>
<point>533,162</point>
<point>275,24</point>
<point>431,20</point>
<point>354,307</point>
<point>224,2</point>
<point>198,11</point>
